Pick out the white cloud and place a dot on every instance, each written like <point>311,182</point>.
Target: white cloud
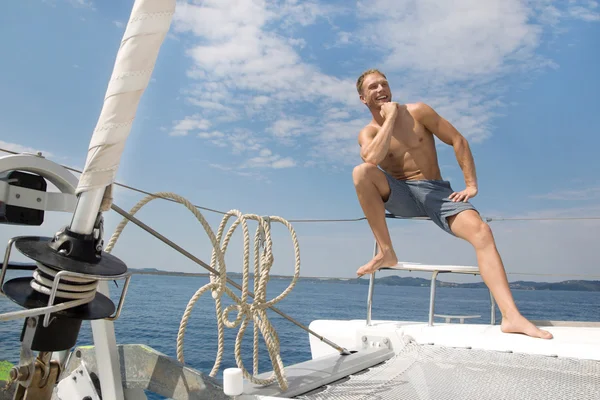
<point>450,40</point>
<point>89,4</point>
<point>18,148</point>
<point>241,172</point>
<point>119,24</point>
<point>584,14</point>
<point>301,43</point>
<point>286,162</point>
<point>344,38</point>
<point>211,135</point>
<point>285,128</point>
<point>550,15</point>
<point>301,12</point>
<point>580,213</point>
<point>337,114</point>
<point>240,52</point>
<point>184,126</point>
<point>81,3</point>
<point>265,153</point>
<point>585,10</point>
<point>243,142</point>
<point>269,160</point>
<point>75,3</point>
<point>250,60</point>
<point>591,193</point>
<point>554,11</point>
<point>260,100</point>
<point>337,143</point>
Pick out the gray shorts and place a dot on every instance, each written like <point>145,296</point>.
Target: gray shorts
<point>424,198</point>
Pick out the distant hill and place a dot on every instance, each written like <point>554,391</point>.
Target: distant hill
<point>571,285</point>
<point>154,271</point>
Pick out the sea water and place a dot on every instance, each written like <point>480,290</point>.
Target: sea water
<point>155,304</point>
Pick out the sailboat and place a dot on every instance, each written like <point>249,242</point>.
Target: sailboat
<point>350,359</point>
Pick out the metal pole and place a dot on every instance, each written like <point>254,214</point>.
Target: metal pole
<point>371,289</point>
<point>493,312</point>
<point>86,211</point>
<point>432,297</point>
<point>103,331</point>
<point>181,250</point>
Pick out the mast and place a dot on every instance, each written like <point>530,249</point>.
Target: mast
<point>146,29</point>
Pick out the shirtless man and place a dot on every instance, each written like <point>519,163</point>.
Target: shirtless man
<point>400,140</point>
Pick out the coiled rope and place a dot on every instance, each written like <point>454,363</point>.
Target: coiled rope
<point>72,287</point>
<point>255,311</point>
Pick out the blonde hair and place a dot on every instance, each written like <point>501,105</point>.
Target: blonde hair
<point>362,76</point>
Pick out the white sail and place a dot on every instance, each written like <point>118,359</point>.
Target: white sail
<point>147,27</point>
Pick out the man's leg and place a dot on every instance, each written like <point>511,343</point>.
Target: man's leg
<point>469,226</point>
<point>372,190</point>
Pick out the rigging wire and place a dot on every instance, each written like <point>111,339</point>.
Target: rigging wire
<point>316,220</point>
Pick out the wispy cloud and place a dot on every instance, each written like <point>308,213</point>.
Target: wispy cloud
<point>249,62</point>
<point>591,193</point>
<point>19,148</point>
<point>440,38</point>
<point>189,124</point>
<point>241,172</point>
<point>89,4</point>
<point>241,143</point>
<point>585,10</point>
<point>211,135</point>
<point>241,52</point>
<point>82,3</point>
<point>287,127</point>
<point>266,158</point>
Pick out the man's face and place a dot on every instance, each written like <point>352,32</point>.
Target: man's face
<point>375,91</point>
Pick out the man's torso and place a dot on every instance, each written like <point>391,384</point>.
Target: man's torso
<point>412,154</point>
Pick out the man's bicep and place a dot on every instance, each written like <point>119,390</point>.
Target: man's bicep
<point>366,136</point>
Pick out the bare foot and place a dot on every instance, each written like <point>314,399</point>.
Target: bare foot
<point>520,324</point>
<point>385,258</point>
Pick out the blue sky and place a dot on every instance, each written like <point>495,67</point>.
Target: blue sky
<point>252,106</point>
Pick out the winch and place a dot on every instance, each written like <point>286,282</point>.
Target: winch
<point>67,270</point>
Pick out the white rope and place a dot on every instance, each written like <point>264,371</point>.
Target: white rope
<point>83,288</point>
<point>255,311</point>
<point>78,294</point>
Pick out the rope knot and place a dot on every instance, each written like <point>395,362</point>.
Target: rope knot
<point>254,311</point>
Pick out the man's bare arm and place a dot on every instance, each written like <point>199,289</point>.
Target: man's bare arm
<point>448,134</point>
<point>375,143</point>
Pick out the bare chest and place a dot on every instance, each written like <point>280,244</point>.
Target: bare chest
<point>409,136</point>
<point>412,152</point>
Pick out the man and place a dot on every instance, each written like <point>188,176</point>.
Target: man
<point>400,140</point>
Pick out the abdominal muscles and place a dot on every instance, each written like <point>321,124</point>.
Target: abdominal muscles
<point>417,163</point>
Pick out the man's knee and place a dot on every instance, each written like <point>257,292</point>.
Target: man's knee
<point>482,234</point>
<point>469,226</point>
<point>363,172</point>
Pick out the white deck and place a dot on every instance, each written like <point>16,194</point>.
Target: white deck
<point>576,341</point>
<point>579,342</point>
